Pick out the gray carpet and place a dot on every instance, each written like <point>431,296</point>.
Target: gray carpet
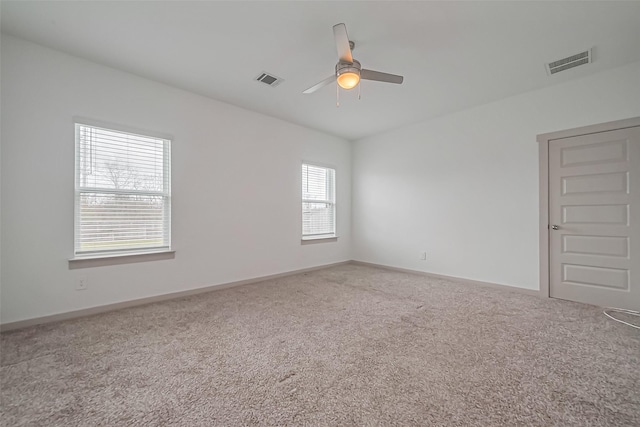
<point>348,345</point>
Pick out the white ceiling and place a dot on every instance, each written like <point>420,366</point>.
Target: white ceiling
<point>453,55</point>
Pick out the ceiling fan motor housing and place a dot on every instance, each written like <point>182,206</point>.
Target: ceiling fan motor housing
<point>348,67</point>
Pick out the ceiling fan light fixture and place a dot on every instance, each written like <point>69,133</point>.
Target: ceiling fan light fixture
<point>348,80</point>
<point>348,74</point>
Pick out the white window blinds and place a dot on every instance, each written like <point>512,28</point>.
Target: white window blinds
<point>318,202</point>
<point>123,192</point>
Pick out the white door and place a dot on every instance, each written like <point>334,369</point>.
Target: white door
<point>594,216</point>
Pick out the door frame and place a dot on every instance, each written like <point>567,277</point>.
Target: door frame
<point>543,175</point>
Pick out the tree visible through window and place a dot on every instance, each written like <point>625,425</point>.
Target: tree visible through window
<point>123,194</point>
<point>318,202</point>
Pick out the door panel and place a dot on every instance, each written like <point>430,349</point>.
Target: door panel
<point>594,198</point>
<point>595,214</point>
<point>596,276</point>
<point>598,153</point>
<point>597,183</point>
<point>613,246</point>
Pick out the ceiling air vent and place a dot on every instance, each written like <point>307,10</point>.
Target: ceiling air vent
<point>572,61</point>
<point>269,79</point>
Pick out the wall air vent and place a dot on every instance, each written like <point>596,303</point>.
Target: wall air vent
<point>269,79</point>
<point>572,61</point>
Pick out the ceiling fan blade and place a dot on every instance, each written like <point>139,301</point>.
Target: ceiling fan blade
<point>342,42</point>
<point>381,77</point>
<point>322,84</point>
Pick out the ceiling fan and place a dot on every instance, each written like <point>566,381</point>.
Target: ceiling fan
<point>348,70</point>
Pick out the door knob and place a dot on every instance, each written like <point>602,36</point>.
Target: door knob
<point>555,227</point>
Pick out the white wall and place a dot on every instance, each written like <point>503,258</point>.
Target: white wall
<point>465,187</point>
<point>236,185</point>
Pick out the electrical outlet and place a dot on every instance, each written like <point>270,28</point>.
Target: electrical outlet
<point>82,284</point>
<point>423,256</point>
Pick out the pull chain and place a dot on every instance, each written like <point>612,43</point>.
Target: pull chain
<point>337,96</point>
<point>358,91</point>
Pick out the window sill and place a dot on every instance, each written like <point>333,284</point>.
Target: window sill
<point>101,260</point>
<point>319,239</point>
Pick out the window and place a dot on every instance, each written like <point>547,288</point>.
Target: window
<point>318,202</point>
<point>123,192</point>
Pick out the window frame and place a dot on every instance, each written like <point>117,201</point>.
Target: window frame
<point>117,256</point>
<point>310,238</point>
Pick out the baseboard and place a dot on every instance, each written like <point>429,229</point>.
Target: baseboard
<point>164,297</point>
<point>453,278</point>
<point>149,300</point>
